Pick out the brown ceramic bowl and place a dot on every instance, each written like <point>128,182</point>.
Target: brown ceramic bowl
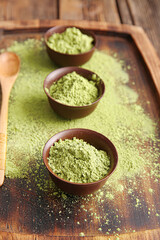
<point>67,111</point>
<point>63,59</point>
<point>94,138</point>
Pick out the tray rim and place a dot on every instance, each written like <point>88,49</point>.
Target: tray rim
<point>149,234</point>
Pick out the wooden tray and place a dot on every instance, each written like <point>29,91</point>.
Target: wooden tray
<point>132,45</point>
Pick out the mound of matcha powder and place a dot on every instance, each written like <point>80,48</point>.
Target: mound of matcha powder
<point>75,90</point>
<point>71,41</point>
<point>78,161</point>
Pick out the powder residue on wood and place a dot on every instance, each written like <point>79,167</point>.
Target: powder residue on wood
<point>32,121</point>
<point>119,116</point>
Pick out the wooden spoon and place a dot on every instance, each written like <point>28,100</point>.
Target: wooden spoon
<point>9,68</point>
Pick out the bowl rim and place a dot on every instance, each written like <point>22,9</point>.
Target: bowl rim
<point>74,183</point>
<point>88,32</point>
<point>76,68</point>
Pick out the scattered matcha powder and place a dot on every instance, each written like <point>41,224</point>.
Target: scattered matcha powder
<point>150,190</point>
<point>32,122</point>
<point>110,196</point>
<point>71,41</point>
<point>138,203</point>
<point>75,90</point>
<point>29,127</point>
<point>81,234</point>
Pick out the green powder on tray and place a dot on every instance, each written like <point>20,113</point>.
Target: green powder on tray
<point>73,89</point>
<point>71,41</point>
<point>32,121</point>
<point>77,161</point>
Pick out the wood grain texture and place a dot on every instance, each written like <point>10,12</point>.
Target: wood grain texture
<point>95,25</point>
<point>101,11</point>
<point>98,10</point>
<point>146,13</point>
<point>3,141</point>
<point>71,9</point>
<point>146,49</point>
<point>23,214</point>
<point>15,222</point>
<point>124,12</point>
<point>28,9</point>
<point>144,235</point>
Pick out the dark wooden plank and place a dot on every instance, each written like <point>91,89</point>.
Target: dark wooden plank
<point>28,9</point>
<point>101,11</point>
<point>71,9</point>
<point>146,13</point>
<point>98,10</point>
<point>124,12</point>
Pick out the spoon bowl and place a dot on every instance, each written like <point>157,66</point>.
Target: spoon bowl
<point>9,68</point>
<point>9,64</point>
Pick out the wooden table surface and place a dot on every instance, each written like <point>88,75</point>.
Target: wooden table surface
<point>144,13</point>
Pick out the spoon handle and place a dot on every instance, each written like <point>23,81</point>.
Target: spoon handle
<point>3,135</point>
<point>3,145</point>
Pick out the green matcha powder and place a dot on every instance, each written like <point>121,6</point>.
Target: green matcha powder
<point>78,161</point>
<point>75,90</point>
<point>71,41</point>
